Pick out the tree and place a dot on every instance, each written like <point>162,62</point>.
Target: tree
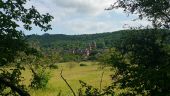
<point>157,11</point>
<point>142,61</point>
<point>13,16</point>
<point>142,57</point>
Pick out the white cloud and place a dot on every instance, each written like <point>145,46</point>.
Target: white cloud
<point>61,8</point>
<point>90,7</point>
<point>82,16</point>
<point>89,26</point>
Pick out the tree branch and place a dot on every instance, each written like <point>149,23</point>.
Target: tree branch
<point>13,87</point>
<point>101,81</point>
<point>67,83</point>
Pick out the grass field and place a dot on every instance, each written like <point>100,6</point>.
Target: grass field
<point>73,72</point>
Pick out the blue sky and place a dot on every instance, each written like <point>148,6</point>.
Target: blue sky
<point>75,17</point>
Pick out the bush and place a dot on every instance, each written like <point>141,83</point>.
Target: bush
<point>40,78</point>
<point>53,66</point>
<point>88,90</point>
<point>83,64</point>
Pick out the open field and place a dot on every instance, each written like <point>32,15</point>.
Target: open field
<point>73,72</point>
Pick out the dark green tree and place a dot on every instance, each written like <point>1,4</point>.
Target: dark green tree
<point>157,11</point>
<point>142,57</point>
<point>142,61</point>
<point>14,16</point>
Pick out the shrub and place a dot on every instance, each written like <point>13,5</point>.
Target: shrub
<point>53,66</point>
<point>40,78</point>
<point>82,64</point>
<point>88,90</point>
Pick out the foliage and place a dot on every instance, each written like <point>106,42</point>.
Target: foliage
<point>82,64</point>
<point>87,90</point>
<point>93,55</point>
<point>142,62</point>
<point>39,68</point>
<point>52,56</point>
<point>66,43</point>
<point>40,77</point>
<point>12,41</point>
<point>10,82</point>
<point>71,57</point>
<point>106,56</point>
<point>53,66</point>
<point>157,11</point>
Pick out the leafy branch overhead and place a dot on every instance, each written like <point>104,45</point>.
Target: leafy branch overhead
<point>15,16</point>
<point>157,11</point>
<point>14,12</point>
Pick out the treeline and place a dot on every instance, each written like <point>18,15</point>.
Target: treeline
<point>66,42</point>
<point>76,47</point>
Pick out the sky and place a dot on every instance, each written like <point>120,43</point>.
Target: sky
<point>74,17</point>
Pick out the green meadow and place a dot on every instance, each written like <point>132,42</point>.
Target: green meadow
<point>72,72</point>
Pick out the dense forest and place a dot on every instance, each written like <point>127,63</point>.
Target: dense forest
<point>75,47</point>
<point>66,42</point>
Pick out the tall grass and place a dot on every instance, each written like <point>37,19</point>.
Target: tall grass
<point>90,74</point>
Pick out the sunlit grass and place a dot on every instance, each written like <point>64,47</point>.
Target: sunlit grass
<point>91,74</point>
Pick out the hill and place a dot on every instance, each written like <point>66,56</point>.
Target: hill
<point>65,42</point>
<point>77,47</point>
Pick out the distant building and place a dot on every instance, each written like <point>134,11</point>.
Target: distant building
<point>86,51</point>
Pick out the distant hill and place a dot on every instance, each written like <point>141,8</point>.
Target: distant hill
<point>77,47</point>
<point>66,42</point>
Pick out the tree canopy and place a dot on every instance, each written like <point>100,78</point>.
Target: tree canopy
<point>142,56</point>
<point>157,11</point>
<point>142,62</point>
<point>14,16</point>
